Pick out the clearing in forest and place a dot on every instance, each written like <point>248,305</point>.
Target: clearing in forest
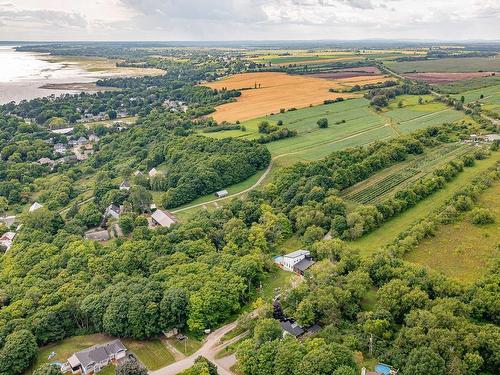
<point>268,92</point>
<point>463,250</point>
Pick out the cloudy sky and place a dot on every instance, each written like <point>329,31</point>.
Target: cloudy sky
<point>248,19</point>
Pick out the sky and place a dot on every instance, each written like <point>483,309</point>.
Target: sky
<point>214,20</point>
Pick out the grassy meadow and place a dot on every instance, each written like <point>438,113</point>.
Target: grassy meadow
<point>463,250</point>
<point>389,230</point>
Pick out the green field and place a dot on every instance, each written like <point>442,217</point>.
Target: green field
<point>490,100</point>
<point>463,64</point>
<point>458,87</point>
<point>388,181</point>
<point>389,230</point>
<point>351,123</point>
<point>462,250</point>
<point>413,116</point>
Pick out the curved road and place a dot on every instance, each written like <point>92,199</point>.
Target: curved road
<point>209,349</point>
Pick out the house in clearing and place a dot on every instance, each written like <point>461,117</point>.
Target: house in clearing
<point>301,267</point>
<point>125,185</point>
<point>93,359</point>
<point>163,218</point>
<point>35,206</point>
<point>113,211</point>
<point>291,328</point>
<point>221,194</point>
<point>289,261</point>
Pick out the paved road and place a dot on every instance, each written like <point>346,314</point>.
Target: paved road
<point>209,349</point>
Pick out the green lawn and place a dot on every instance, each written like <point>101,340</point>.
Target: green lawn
<point>65,348</point>
<point>490,100</point>
<point>152,353</point>
<point>389,230</point>
<point>187,346</point>
<point>463,250</point>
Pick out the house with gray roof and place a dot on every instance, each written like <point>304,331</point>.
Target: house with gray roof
<point>93,359</point>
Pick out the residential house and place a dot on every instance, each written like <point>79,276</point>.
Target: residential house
<point>153,172</point>
<point>93,138</point>
<point>221,194</point>
<point>125,185</point>
<point>97,235</point>
<point>7,239</point>
<point>93,359</point>
<point>113,211</point>
<point>82,141</point>
<point>300,267</point>
<point>138,173</point>
<point>288,261</point>
<point>163,218</point>
<point>35,206</point>
<point>290,327</point>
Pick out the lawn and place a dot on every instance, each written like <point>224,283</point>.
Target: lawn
<point>65,348</point>
<point>463,250</point>
<point>187,346</point>
<point>389,230</point>
<point>152,353</point>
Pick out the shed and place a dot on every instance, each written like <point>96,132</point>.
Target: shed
<point>221,194</point>
<point>291,328</point>
<point>97,235</point>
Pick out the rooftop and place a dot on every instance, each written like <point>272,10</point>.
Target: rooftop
<point>304,264</point>
<point>297,253</point>
<point>292,328</point>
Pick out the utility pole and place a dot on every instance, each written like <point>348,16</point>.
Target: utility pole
<point>370,349</point>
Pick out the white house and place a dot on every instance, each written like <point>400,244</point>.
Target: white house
<point>35,206</point>
<point>7,239</point>
<point>93,359</point>
<point>291,259</point>
<point>163,218</point>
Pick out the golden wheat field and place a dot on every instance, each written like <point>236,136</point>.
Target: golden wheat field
<point>279,90</point>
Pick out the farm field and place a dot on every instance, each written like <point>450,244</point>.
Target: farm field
<point>490,101</point>
<point>452,65</point>
<point>442,77</point>
<point>413,116</point>
<point>468,85</point>
<point>388,181</point>
<point>149,352</point>
<point>280,91</point>
<point>389,230</point>
<point>463,250</point>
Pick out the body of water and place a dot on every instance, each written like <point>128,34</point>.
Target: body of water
<point>23,73</point>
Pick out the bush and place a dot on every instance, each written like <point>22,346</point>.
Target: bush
<point>482,216</point>
<point>322,123</point>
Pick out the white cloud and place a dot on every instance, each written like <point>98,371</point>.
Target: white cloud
<point>248,19</point>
